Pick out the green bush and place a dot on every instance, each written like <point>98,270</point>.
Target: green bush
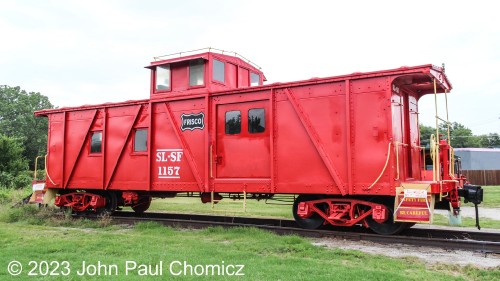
<point>21,180</point>
<point>10,196</point>
<point>14,172</point>
<point>4,196</point>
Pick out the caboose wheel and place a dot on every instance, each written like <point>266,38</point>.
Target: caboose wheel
<point>388,227</point>
<point>312,222</point>
<point>142,205</point>
<point>111,201</point>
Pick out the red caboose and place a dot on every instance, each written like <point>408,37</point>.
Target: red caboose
<point>347,145</point>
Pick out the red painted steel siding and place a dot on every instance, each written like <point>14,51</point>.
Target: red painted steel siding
<point>328,136</point>
<point>168,138</point>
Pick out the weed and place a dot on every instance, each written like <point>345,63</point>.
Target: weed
<point>104,220</point>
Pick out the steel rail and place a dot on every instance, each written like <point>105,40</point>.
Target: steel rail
<point>447,239</point>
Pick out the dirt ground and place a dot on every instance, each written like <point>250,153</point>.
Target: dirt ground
<point>430,256</point>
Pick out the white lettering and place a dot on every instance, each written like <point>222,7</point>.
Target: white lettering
<point>415,193</point>
<point>130,265</point>
<point>175,156</point>
<point>161,156</point>
<point>169,172</point>
<point>240,268</point>
<point>169,155</point>
<point>171,268</point>
<point>190,122</point>
<point>184,268</point>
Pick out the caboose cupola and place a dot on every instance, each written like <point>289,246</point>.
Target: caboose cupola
<point>201,71</point>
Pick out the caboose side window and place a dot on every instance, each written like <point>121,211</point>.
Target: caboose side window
<point>96,142</point>
<point>196,72</point>
<point>141,140</point>
<point>163,77</point>
<point>218,72</point>
<point>254,79</point>
<point>256,120</point>
<point>233,122</point>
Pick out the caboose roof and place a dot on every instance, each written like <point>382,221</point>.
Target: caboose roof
<point>205,54</point>
<point>45,112</point>
<point>417,78</point>
<point>179,59</point>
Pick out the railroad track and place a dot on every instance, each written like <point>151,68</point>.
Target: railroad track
<point>447,239</point>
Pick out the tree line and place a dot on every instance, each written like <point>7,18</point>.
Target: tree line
<point>23,136</point>
<point>460,136</point>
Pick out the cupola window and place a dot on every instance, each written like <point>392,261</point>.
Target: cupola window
<point>218,71</point>
<point>196,72</point>
<point>254,79</point>
<point>163,77</point>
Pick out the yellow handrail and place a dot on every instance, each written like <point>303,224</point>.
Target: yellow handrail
<point>47,171</point>
<point>423,157</point>
<point>385,166</point>
<point>36,167</point>
<point>211,160</point>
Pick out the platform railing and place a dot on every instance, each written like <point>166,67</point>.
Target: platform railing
<point>435,140</point>
<point>204,50</point>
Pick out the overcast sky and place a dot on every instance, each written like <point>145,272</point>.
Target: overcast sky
<point>88,52</point>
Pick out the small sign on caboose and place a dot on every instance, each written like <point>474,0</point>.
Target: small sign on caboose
<point>414,203</point>
<point>193,121</point>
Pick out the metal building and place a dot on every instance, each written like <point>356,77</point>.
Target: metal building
<point>480,165</point>
<point>479,158</point>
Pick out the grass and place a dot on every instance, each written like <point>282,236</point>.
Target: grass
<point>12,196</point>
<point>491,197</point>
<point>225,207</point>
<point>12,212</point>
<point>467,222</point>
<point>29,234</point>
<point>265,256</point>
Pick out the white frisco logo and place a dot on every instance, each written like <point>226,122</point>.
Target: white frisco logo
<point>193,121</point>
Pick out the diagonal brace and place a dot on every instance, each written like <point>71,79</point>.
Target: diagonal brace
<point>313,135</point>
